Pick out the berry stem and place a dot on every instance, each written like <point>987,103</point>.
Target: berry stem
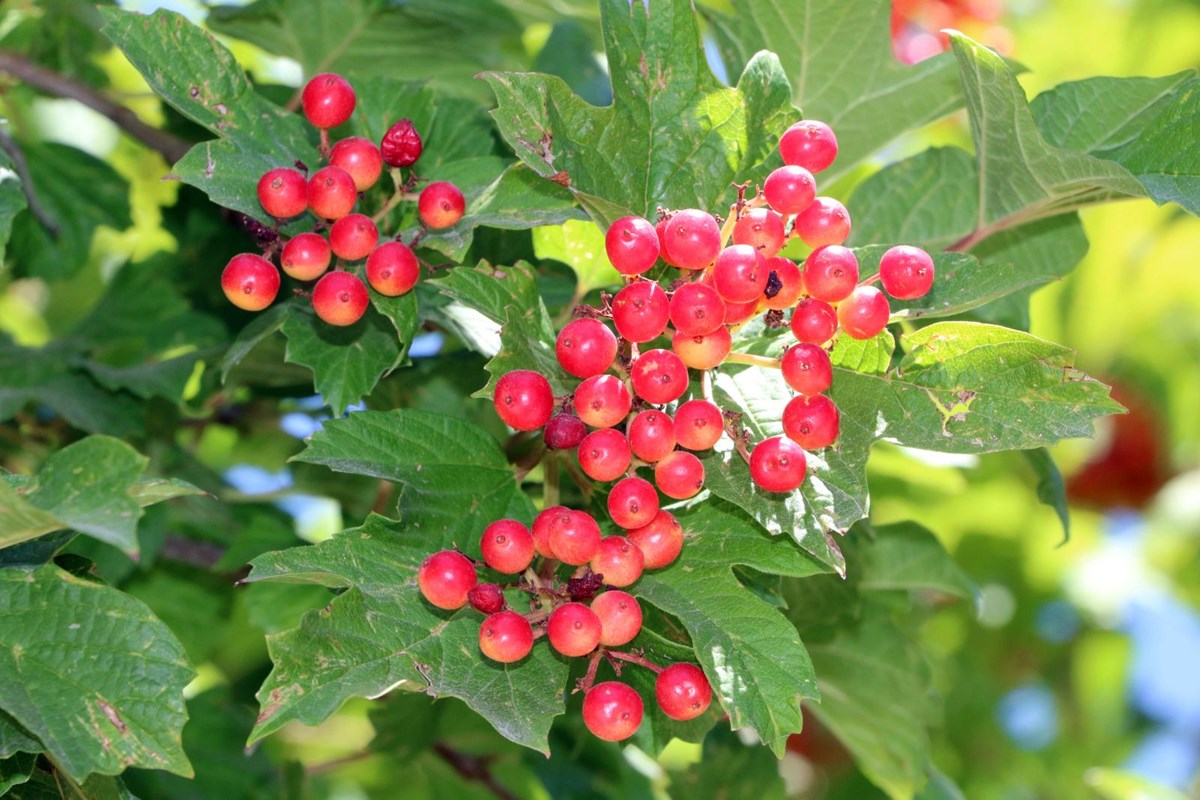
<point>398,196</point>
<point>634,658</point>
<point>750,358</point>
<point>324,147</point>
<point>870,280</point>
<point>585,683</point>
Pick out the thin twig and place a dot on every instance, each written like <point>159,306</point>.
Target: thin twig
<point>473,768</point>
<point>21,167</point>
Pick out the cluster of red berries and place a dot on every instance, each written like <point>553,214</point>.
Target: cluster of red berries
<point>587,615</point>
<point>918,25</point>
<point>353,166</point>
<point>723,288</point>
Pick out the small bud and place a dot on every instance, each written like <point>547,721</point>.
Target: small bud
<point>401,145</point>
<point>486,597</point>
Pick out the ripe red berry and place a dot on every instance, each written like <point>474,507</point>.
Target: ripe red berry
<point>906,272</point>
<point>632,245</point>
<point>620,617</point>
<point>441,205</point>
<point>392,268</point>
<point>564,431</point>
<point>660,542</point>
<point>331,193</point>
<point>602,401</point>
<point>641,311</point>
<point>612,711</point>
<point>831,273</point>
<point>486,597</point>
<point>777,464</point>
<point>660,230</point>
<point>505,636</point>
<point>574,537</point>
<point>762,229</point>
<point>573,629</point>
<point>445,578</point>
<point>507,546</point>
<point>703,351</point>
<point>604,455</point>
<point>697,309</point>
<point>306,256</point>
<point>807,369</point>
<point>401,146</point>
<point>811,422</point>
<point>328,100</point>
<point>542,523</point>
<point>586,347</point>
<point>680,475</point>
<point>740,274</point>
<point>737,313</point>
<point>658,377</point>
<point>826,221</point>
<point>353,237</point>
<point>523,399</point>
<point>651,435</point>
<point>682,691</point>
<point>250,282</point>
<point>790,190</point>
<point>693,238</point>
<point>790,284</point>
<point>283,193</point>
<point>340,298</point>
<point>809,144</point>
<point>864,313</point>
<point>632,503</point>
<point>619,560</point>
<point>698,424</point>
<point>814,321</point>
<point>360,158</point>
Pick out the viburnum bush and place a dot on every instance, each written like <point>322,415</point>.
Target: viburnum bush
<point>587,350</point>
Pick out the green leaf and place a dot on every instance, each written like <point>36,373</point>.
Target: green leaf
<point>673,135</point>
<point>872,355</point>
<point>380,634</point>
<point>724,757</point>
<point>16,770</point>
<point>527,341</point>
<point>90,672</point>
<point>752,655</point>
<point>907,557</point>
<point>15,739</point>
<point>867,106</point>
<point>48,786</point>
<point>1051,489</point>
<point>490,290</point>
<point>579,245</point>
<point>263,326</point>
<point>12,201</point>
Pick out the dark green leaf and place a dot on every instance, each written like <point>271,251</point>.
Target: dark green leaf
<point>261,327</point>
<point>16,770</point>
<point>741,772</point>
<point>905,556</point>
<point>15,739</point>
<point>1051,490</point>
<point>12,201</point>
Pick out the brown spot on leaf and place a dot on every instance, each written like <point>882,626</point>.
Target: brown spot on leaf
<point>562,179</point>
<point>112,715</point>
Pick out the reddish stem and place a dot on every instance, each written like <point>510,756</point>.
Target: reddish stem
<point>632,658</point>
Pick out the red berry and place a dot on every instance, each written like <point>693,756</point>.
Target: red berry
<point>574,537</point>
<point>340,298</point>
<point>737,313</point>
<point>864,313</point>
<point>487,598</point>
<point>441,205</point>
<point>331,193</point>
<point>353,237</point>
<point>762,229</point>
<point>777,464</point>
<point>604,455</point>
<point>703,351</point>
<point>632,245</point>
<point>602,401</point>
<point>401,145</point>
<point>740,274</point>
<point>811,422</point>
<point>906,272</point>
<point>660,542</point>
<point>505,636</point>
<point>698,424</point>
<point>693,238</point>
<point>564,431</point>
<point>392,268</point>
<point>826,221</point>
<point>651,435</point>
<point>680,475</point>
<point>809,144</point>
<point>660,230</point>
<point>831,273</point>
<point>814,321</point>
<point>790,285</point>
<point>586,347</point>
<point>697,309</point>
<point>682,691</point>
<point>612,711</point>
<point>283,193</point>
<point>250,282</point>
<point>328,100</point>
<point>523,399</point>
<point>619,560</point>
<point>445,578</point>
<point>507,546</point>
<point>807,369</point>
<point>632,502</point>
<point>542,523</point>
<point>790,190</point>
<point>573,629</point>
<point>306,256</point>
<point>620,617</point>
<point>360,158</point>
<point>659,377</point>
<point>640,311</point>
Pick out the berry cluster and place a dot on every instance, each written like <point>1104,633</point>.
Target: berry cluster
<point>918,25</point>
<point>353,165</point>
